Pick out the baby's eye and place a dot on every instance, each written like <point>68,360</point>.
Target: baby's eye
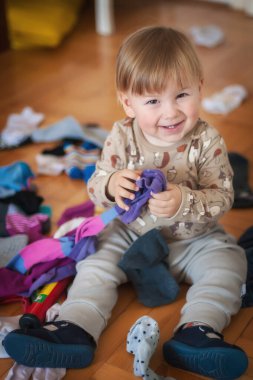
<point>182,95</point>
<point>152,101</point>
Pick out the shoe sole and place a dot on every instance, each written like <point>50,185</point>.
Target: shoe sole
<point>216,362</point>
<point>34,352</point>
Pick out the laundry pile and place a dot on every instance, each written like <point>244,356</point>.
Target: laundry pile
<point>77,160</point>
<point>21,208</point>
<point>76,154</point>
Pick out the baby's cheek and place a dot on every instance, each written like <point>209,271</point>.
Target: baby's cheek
<point>193,110</point>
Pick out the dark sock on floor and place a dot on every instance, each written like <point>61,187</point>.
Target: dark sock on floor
<point>243,192</point>
<point>246,242</point>
<point>145,266</point>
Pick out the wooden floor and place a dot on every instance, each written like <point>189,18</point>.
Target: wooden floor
<point>78,79</point>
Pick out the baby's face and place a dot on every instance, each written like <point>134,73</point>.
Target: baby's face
<point>166,117</point>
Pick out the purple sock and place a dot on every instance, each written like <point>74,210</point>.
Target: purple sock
<point>151,181</point>
<point>85,209</point>
<point>32,226</point>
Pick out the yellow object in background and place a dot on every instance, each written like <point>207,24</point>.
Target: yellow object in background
<point>40,23</point>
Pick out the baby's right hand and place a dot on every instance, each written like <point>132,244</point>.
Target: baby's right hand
<point>122,185</point>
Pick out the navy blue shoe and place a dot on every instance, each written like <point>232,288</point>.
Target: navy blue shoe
<point>57,344</point>
<point>202,350</point>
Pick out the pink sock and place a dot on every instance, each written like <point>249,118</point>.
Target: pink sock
<point>30,225</point>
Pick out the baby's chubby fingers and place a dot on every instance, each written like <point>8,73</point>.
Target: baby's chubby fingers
<point>163,196</point>
<point>166,203</point>
<point>120,202</point>
<point>158,201</point>
<point>128,184</point>
<point>123,186</point>
<point>123,179</point>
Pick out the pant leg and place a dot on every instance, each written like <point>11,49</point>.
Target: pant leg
<point>216,268</point>
<point>93,293</point>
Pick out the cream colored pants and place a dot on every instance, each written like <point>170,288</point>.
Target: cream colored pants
<point>212,264</point>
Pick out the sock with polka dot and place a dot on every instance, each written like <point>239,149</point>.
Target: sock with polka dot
<point>142,340</point>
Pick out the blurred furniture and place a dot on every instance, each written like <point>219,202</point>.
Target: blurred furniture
<point>104,17</point>
<point>4,39</point>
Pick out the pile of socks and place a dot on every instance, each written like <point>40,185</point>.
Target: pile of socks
<point>81,160</point>
<point>55,258</point>
<point>77,155</point>
<point>21,209</point>
<point>76,158</point>
<point>19,128</point>
<point>70,128</point>
<point>23,128</point>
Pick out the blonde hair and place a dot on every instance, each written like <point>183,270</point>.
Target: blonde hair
<point>153,55</point>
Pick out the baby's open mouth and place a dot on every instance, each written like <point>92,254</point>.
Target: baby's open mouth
<point>172,126</point>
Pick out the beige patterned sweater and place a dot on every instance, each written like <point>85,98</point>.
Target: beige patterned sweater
<point>198,164</point>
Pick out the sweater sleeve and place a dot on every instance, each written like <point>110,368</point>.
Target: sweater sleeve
<point>214,194</point>
<point>113,158</point>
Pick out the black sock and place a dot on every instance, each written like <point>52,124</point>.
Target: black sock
<point>243,192</point>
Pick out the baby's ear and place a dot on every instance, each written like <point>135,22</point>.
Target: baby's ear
<point>126,104</point>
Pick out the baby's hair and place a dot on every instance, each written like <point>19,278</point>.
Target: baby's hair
<point>151,56</point>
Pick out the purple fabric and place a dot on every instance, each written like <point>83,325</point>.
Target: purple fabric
<point>55,274</point>
<point>13,282</point>
<point>83,248</point>
<point>76,247</point>
<point>41,251</point>
<point>31,226</point>
<point>151,181</point>
<point>49,249</point>
<point>89,227</point>
<point>85,209</point>
<point>92,226</point>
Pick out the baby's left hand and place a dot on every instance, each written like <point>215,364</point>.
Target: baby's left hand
<point>166,203</point>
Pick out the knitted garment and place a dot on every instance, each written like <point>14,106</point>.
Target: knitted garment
<point>19,371</point>
<point>152,180</point>
<point>50,249</point>
<point>95,224</point>
<point>19,126</point>
<point>9,247</point>
<point>85,209</point>
<point>27,201</point>
<point>243,193</point>
<point>145,266</point>
<point>83,243</point>
<point>70,128</point>
<point>16,176</point>
<point>142,340</point>
<point>246,242</point>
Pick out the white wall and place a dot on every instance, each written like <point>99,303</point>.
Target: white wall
<point>246,5</point>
